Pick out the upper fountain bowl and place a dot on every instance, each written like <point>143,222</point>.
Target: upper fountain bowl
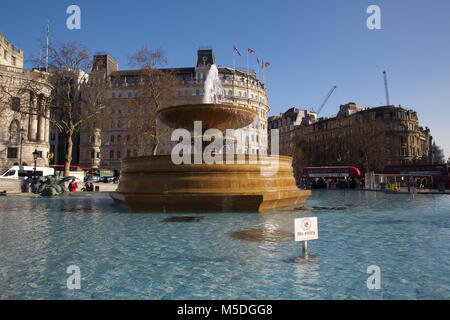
<point>212,116</point>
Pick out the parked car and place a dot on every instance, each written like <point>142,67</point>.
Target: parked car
<point>92,179</point>
<point>107,179</point>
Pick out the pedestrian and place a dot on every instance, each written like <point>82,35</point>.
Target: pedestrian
<point>73,186</point>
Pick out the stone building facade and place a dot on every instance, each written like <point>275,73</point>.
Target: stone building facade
<point>104,147</point>
<point>21,133</point>
<point>286,123</point>
<point>368,138</point>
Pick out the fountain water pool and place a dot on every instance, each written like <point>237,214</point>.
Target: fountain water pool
<point>125,255</point>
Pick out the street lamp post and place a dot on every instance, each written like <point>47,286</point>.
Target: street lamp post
<point>22,131</point>
<point>35,156</point>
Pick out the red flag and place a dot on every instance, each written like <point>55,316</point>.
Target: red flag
<point>250,50</point>
<point>266,64</point>
<point>237,50</point>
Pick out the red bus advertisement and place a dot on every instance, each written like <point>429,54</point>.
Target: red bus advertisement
<point>331,172</point>
<point>439,172</point>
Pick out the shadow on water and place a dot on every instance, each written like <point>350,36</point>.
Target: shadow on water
<point>182,219</point>
<point>263,235</point>
<point>311,208</point>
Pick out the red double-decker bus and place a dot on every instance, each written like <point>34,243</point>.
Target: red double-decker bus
<point>439,172</point>
<point>331,172</point>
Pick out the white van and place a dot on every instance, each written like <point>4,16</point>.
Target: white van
<point>24,172</point>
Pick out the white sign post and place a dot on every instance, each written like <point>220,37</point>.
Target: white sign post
<point>306,229</point>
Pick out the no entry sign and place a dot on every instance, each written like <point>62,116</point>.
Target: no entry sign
<point>306,229</point>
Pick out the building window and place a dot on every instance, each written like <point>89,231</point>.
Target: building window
<point>113,95</point>
<point>13,60</point>
<point>92,154</point>
<point>5,54</point>
<point>15,103</point>
<point>111,139</point>
<point>12,153</point>
<point>118,154</point>
<point>197,92</point>
<point>387,127</point>
<point>230,92</point>
<point>129,94</point>
<point>120,95</point>
<point>388,140</point>
<point>111,154</point>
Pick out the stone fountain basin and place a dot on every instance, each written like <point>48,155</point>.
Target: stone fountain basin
<point>212,116</point>
<point>156,184</point>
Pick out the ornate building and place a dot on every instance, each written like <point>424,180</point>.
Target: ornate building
<point>21,132</point>
<point>105,147</point>
<point>286,123</point>
<point>368,138</point>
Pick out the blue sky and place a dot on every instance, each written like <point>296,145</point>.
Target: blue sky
<point>311,45</point>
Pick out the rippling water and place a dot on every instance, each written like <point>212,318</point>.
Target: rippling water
<point>125,255</point>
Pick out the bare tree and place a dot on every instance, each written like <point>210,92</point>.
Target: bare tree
<point>156,91</point>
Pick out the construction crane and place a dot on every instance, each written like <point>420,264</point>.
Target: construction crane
<point>326,99</point>
<point>386,88</point>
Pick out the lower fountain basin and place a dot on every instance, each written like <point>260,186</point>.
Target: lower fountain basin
<point>156,184</point>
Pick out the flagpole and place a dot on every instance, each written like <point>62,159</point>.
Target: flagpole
<point>46,58</point>
<point>264,73</point>
<point>234,72</point>
<point>40,59</point>
<point>247,61</point>
<point>257,67</point>
<point>247,78</point>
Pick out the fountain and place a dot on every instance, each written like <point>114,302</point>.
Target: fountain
<point>157,184</point>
